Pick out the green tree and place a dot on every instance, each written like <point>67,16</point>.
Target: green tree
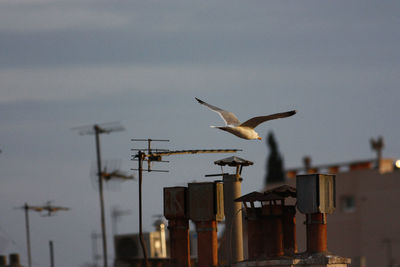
<point>275,172</point>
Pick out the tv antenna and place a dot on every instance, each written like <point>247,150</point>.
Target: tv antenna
<point>50,209</point>
<point>46,208</point>
<point>111,174</point>
<point>377,145</point>
<point>96,130</point>
<point>148,154</point>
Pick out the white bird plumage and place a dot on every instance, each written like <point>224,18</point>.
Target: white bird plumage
<point>243,130</point>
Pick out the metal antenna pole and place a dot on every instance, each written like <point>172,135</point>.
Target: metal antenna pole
<point>51,253</point>
<point>102,217</point>
<point>47,208</point>
<point>28,237</point>
<point>97,130</point>
<point>140,168</point>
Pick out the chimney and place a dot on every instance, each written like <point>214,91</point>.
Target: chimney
<point>206,207</point>
<point>233,219</point>
<point>176,212</point>
<point>271,226</point>
<point>272,216</point>
<point>14,260</point>
<point>3,261</point>
<point>316,198</point>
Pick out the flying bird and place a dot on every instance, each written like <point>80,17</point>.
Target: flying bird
<point>243,130</point>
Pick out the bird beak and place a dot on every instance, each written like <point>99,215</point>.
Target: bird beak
<point>259,138</point>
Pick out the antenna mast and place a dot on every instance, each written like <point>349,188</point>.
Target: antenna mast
<point>96,130</point>
<point>26,209</point>
<point>141,156</point>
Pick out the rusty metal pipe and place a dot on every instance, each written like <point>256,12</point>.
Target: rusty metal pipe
<point>179,242</point>
<point>316,233</point>
<point>272,230</point>
<point>175,210</point>
<point>207,243</point>
<point>255,240</point>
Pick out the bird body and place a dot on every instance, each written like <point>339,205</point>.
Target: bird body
<point>243,130</point>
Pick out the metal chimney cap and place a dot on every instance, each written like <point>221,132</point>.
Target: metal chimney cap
<point>233,162</point>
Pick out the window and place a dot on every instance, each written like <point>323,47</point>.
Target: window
<point>348,204</point>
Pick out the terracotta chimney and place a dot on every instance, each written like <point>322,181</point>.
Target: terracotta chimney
<point>175,210</point>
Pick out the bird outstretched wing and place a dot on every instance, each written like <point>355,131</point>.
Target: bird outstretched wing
<point>254,122</point>
<point>228,117</point>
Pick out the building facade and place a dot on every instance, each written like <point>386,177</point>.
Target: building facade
<point>366,223</point>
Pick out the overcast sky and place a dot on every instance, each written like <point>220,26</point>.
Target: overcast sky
<point>67,63</point>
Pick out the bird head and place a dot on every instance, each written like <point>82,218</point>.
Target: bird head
<point>254,135</point>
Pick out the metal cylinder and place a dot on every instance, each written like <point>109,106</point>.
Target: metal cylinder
<point>316,233</point>
<point>255,236</point>
<point>272,230</point>
<point>179,242</point>
<point>289,230</point>
<point>233,218</point>
<point>207,243</point>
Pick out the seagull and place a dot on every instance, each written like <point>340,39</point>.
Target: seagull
<point>243,130</point>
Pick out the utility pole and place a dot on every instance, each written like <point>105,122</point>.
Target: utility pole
<point>28,235</point>
<point>51,253</point>
<point>97,130</point>
<point>50,209</point>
